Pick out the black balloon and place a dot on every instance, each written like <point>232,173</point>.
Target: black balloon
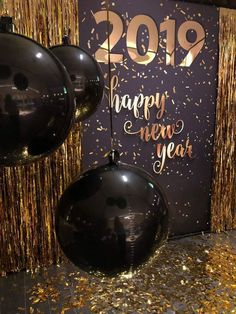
<point>36,100</point>
<point>111,219</point>
<point>86,77</point>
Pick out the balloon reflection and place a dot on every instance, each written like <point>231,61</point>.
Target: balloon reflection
<point>36,101</point>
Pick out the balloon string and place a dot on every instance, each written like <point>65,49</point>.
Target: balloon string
<point>109,74</point>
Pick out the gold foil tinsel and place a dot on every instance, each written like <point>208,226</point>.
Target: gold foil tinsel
<point>223,205</point>
<point>29,194</point>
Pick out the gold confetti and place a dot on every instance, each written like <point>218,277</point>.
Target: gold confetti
<point>21,309</point>
<point>194,275</point>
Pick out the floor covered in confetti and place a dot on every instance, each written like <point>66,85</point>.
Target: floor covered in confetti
<point>195,274</point>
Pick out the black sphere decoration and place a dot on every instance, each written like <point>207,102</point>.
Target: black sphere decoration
<point>86,77</point>
<point>112,219</point>
<point>36,101</point>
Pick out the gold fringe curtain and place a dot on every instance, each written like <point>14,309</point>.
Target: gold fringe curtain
<point>29,194</point>
<point>223,211</point>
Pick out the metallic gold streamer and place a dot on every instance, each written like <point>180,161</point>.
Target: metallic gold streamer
<point>223,204</point>
<point>29,194</point>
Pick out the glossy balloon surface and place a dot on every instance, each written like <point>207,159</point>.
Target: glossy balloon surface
<point>36,101</point>
<point>111,219</point>
<point>86,77</point>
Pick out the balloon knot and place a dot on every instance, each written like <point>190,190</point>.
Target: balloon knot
<point>114,156</point>
<point>6,23</point>
<point>66,40</point>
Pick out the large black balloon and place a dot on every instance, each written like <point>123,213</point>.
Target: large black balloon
<point>36,100</point>
<point>86,76</point>
<point>111,219</point>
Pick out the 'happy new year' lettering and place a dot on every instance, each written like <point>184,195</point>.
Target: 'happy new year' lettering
<point>140,105</point>
<point>155,130</point>
<point>170,151</point>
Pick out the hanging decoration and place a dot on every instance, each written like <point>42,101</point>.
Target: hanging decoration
<point>114,217</point>
<point>30,193</point>
<point>36,104</point>
<point>86,77</point>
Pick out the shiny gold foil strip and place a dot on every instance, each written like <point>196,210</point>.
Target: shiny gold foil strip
<point>223,203</point>
<point>29,194</point>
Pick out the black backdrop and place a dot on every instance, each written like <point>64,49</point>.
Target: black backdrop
<point>190,97</point>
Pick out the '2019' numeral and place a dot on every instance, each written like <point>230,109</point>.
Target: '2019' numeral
<point>168,26</point>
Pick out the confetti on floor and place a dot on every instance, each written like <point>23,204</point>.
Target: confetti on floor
<point>195,274</point>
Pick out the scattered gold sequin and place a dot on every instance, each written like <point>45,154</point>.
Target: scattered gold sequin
<point>190,275</point>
